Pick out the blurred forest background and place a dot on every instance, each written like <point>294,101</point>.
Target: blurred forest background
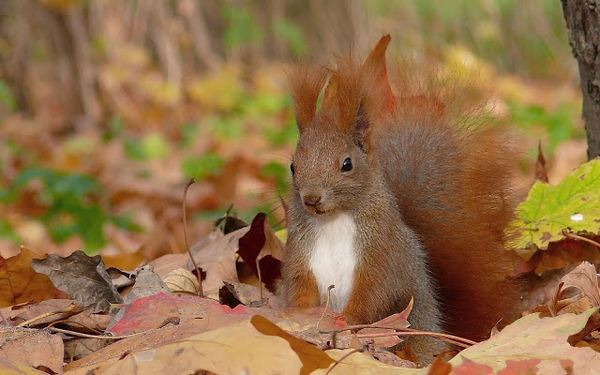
<point>108,107</point>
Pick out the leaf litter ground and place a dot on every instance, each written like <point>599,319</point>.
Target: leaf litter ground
<point>80,320</point>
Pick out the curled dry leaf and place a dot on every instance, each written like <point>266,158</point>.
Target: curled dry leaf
<point>82,277</point>
<point>182,282</point>
<point>576,292</point>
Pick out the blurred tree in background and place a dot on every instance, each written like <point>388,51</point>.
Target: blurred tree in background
<point>139,95</point>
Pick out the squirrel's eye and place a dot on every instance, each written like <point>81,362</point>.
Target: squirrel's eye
<point>347,165</point>
<point>292,168</point>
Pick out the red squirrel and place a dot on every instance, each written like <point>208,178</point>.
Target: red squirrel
<point>397,197</point>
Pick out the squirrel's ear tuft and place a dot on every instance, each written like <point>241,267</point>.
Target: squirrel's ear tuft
<point>374,73</point>
<point>306,83</point>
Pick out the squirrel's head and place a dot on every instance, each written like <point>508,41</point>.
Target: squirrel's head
<point>332,168</point>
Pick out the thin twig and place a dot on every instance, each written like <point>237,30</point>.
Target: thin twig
<point>442,336</point>
<point>260,283</point>
<point>115,337</point>
<point>187,246</point>
<point>578,237</point>
<point>326,305</point>
<point>404,332</point>
<point>342,358</point>
<point>71,308</point>
<point>88,336</point>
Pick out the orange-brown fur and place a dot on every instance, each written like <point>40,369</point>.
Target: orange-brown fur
<point>434,198</point>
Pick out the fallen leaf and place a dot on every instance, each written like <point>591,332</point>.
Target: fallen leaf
<point>10,367</point>
<point>33,347</point>
<point>182,282</point>
<point>28,312</point>
<point>262,251</point>
<point>82,277</point>
<point>216,257</point>
<point>147,283</point>
<point>311,357</point>
<point>548,209</point>
<point>582,279</point>
<point>245,294</point>
<point>533,344</point>
<point>363,364</point>
<point>221,351</point>
<point>19,283</point>
<point>147,313</point>
<point>393,322</point>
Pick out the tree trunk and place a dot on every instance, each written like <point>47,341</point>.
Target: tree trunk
<point>583,23</point>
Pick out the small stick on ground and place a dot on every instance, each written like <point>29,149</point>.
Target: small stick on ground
<point>187,246</point>
<point>72,309</point>
<point>326,305</point>
<point>574,236</point>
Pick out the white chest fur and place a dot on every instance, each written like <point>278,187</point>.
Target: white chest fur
<point>333,258</point>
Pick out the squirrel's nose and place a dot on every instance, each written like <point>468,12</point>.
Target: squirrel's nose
<point>311,200</point>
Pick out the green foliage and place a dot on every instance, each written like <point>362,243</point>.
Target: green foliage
<point>242,27</point>
<point>558,123</point>
<point>226,127</point>
<point>6,97</point>
<point>203,166</point>
<point>279,173</point>
<point>285,136</point>
<point>572,204</point>
<point>73,206</point>
<point>7,232</point>
<point>189,131</point>
<point>115,128</point>
<point>293,36</point>
<point>152,146</point>
<point>522,37</point>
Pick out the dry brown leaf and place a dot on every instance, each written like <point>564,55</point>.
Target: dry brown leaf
<point>28,312</point>
<point>216,256</point>
<point>363,364</point>
<point>34,347</point>
<point>8,366</point>
<point>231,350</point>
<point>20,283</point>
<point>533,345</point>
<point>147,283</point>
<point>582,279</point>
<point>182,282</point>
<point>311,357</point>
<point>83,277</point>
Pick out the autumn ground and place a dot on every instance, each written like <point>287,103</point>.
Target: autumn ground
<point>113,185</point>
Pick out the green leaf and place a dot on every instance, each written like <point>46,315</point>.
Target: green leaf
<point>201,167</point>
<point>293,35</point>
<point>154,146</point>
<point>242,27</point>
<point>572,204</point>
<point>7,98</point>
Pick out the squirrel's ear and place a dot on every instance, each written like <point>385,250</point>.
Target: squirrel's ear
<point>375,73</point>
<point>306,83</point>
